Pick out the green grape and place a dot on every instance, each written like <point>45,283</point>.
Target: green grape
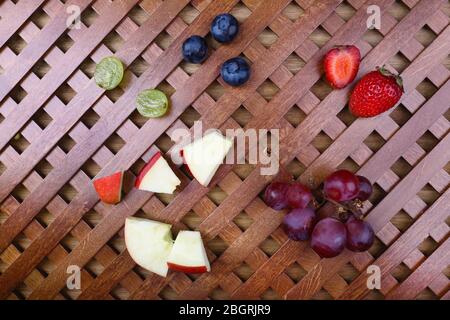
<point>109,73</point>
<point>152,103</point>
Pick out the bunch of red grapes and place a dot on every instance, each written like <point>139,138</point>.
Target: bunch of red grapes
<point>330,216</point>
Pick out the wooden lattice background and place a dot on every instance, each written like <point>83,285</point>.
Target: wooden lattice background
<point>58,130</point>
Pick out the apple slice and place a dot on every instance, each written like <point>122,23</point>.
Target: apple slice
<point>204,156</point>
<point>185,165</point>
<point>157,176</point>
<point>188,253</point>
<point>109,189</point>
<point>149,243</point>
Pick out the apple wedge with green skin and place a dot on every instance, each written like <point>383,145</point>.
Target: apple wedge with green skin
<point>149,243</point>
<point>157,176</point>
<point>188,254</point>
<point>204,156</point>
<point>109,189</point>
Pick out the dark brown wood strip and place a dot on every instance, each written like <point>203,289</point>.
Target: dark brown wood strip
<point>151,290</point>
<point>235,253</point>
<point>269,271</point>
<point>55,77</point>
<point>33,230</point>
<point>95,290</point>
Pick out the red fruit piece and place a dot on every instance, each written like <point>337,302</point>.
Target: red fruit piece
<point>377,92</point>
<point>360,235</point>
<point>341,65</point>
<point>109,189</point>
<point>275,195</point>
<point>185,165</point>
<point>365,188</point>
<point>176,267</point>
<point>328,238</point>
<point>298,195</point>
<point>146,168</point>
<point>299,223</point>
<point>341,185</point>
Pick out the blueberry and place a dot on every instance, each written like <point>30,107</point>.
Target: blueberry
<point>235,71</point>
<point>195,49</point>
<point>224,27</point>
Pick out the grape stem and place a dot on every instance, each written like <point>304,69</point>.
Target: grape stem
<point>355,211</point>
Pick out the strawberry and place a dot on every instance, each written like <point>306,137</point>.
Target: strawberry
<point>375,93</point>
<point>341,65</point>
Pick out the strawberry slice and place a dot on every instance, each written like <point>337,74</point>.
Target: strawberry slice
<point>341,65</point>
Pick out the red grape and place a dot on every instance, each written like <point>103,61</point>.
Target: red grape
<point>360,235</point>
<point>275,195</point>
<point>298,195</point>
<point>298,223</point>
<point>328,238</point>
<point>365,188</point>
<point>341,185</point>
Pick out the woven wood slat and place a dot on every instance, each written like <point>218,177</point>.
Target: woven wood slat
<point>58,131</point>
<point>14,16</point>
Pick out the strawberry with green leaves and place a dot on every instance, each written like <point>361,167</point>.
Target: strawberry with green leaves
<point>377,92</point>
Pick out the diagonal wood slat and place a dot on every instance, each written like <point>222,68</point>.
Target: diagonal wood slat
<point>73,57</point>
<point>37,47</point>
<point>59,131</point>
<point>14,16</point>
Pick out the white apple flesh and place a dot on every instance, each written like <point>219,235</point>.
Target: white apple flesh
<point>188,253</point>
<point>157,176</point>
<point>149,243</point>
<point>204,156</point>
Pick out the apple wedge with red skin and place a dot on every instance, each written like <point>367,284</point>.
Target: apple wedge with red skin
<point>185,165</point>
<point>157,176</point>
<point>149,243</point>
<point>188,254</point>
<point>204,156</point>
<point>151,246</point>
<point>109,189</point>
